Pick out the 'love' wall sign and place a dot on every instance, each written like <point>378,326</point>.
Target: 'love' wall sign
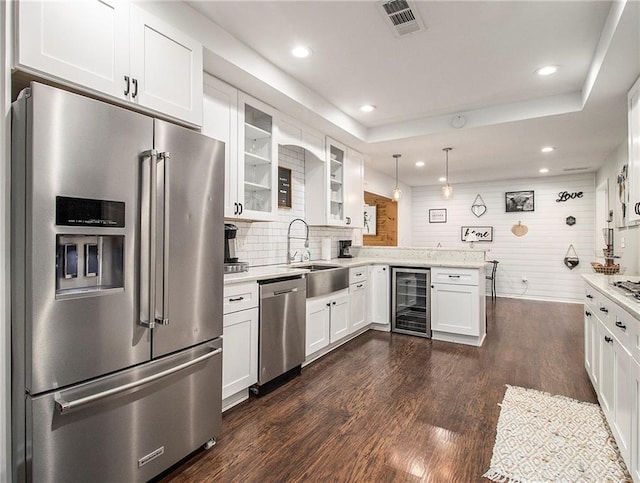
<point>566,196</point>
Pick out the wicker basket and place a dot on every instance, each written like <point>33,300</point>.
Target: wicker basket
<point>607,270</point>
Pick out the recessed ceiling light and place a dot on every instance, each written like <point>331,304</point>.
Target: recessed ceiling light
<point>419,164</point>
<point>547,70</point>
<point>367,108</point>
<point>548,149</point>
<point>442,179</point>
<point>544,170</point>
<point>301,51</point>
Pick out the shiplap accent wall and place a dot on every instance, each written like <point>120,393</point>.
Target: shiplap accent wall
<point>539,254</point>
<point>265,243</point>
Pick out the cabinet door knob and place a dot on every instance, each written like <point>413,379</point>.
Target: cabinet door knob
<point>620,325</point>
<point>329,305</point>
<point>334,303</point>
<point>128,81</point>
<point>608,339</point>
<point>432,286</point>
<point>587,313</point>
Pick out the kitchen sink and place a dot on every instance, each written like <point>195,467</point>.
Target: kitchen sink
<point>325,279</point>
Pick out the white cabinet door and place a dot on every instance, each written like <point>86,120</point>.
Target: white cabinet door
<point>83,43</point>
<point>339,317</point>
<point>379,295</point>
<point>240,351</point>
<point>623,398</point>
<point>454,309</point>
<point>607,382</point>
<point>633,210</point>
<point>635,422</point>
<point>355,189</point>
<point>336,168</point>
<point>591,346</point>
<point>357,305</point>
<point>166,65</point>
<point>220,121</point>
<point>318,328</point>
<point>257,160</point>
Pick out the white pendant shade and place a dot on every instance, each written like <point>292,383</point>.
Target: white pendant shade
<point>447,191</point>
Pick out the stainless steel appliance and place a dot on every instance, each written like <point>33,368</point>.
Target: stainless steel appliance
<point>411,309</point>
<point>116,290</point>
<point>231,263</point>
<point>281,337</point>
<point>629,287</point>
<point>344,249</point>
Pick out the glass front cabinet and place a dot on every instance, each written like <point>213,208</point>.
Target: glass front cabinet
<point>258,161</point>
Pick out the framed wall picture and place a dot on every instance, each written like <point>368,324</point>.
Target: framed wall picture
<point>438,215</point>
<point>482,233</point>
<point>519,201</point>
<point>370,212</point>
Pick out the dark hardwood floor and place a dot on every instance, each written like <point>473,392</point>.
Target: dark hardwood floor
<point>390,407</point>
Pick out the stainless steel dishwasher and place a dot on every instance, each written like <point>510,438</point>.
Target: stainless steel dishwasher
<point>282,331</point>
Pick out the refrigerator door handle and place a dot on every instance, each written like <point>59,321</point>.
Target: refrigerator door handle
<point>161,308</point>
<point>147,238</point>
<point>64,406</point>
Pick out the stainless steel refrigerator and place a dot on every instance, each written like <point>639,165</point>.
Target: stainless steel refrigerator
<point>117,279</point>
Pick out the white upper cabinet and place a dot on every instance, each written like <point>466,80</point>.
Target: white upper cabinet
<point>115,50</point>
<point>633,215</point>
<point>166,65</point>
<point>220,121</point>
<point>355,189</point>
<point>257,170</point>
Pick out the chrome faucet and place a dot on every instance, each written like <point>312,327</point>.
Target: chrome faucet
<point>290,258</point>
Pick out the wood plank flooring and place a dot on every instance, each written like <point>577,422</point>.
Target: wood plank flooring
<point>391,407</point>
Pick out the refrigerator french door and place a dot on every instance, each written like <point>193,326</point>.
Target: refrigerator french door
<point>411,310</point>
<point>116,289</point>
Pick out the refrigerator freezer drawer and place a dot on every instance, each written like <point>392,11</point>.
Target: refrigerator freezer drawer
<point>109,434</point>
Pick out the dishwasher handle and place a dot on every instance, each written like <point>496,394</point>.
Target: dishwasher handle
<point>283,292</point>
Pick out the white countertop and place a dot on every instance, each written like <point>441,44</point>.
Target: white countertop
<point>603,284</point>
<point>277,271</point>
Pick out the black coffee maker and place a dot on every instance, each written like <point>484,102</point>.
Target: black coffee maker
<point>230,232</point>
<point>344,249</point>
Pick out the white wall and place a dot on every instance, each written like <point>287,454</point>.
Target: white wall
<point>630,254</point>
<point>539,254</point>
<point>265,243</point>
<point>381,184</point>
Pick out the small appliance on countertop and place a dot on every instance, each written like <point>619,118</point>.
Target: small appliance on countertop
<point>231,263</point>
<point>344,249</point>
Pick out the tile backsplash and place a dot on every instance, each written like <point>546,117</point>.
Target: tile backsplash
<point>265,243</point>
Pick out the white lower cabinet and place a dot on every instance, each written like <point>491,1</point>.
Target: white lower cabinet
<point>379,294</point>
<point>240,354</point>
<point>358,304</point>
<point>611,348</point>
<point>327,320</point>
<point>239,342</point>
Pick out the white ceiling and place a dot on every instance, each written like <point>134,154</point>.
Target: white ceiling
<point>474,58</point>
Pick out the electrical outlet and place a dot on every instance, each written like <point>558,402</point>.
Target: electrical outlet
<point>524,279</point>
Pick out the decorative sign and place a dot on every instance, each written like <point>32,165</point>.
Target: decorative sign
<point>566,196</point>
<point>571,259</point>
<point>571,220</point>
<point>438,216</point>
<point>284,187</point>
<point>370,213</point>
<point>519,201</point>
<point>483,233</point>
<point>478,207</point>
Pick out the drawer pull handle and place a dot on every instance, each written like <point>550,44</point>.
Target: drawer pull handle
<point>236,299</point>
<point>620,325</point>
<point>590,297</point>
<point>608,339</point>
<point>604,309</point>
<point>587,313</point>
<point>454,276</point>
<point>359,285</point>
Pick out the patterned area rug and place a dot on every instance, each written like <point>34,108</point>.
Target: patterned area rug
<point>545,438</point>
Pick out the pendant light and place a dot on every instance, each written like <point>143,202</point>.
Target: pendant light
<point>396,193</point>
<point>447,189</point>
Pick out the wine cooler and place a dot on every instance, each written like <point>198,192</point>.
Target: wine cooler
<point>411,310</point>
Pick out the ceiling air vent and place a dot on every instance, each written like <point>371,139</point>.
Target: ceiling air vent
<point>575,169</point>
<point>403,18</point>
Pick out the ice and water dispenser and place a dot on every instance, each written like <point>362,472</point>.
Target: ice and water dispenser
<point>88,263</point>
